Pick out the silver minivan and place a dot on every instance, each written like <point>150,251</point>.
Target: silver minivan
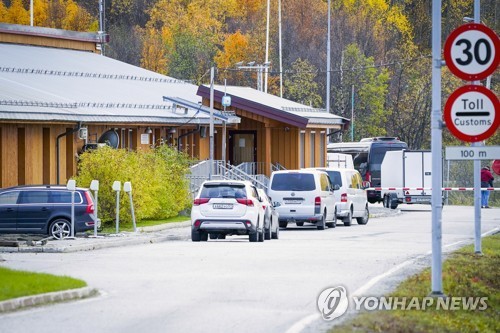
<point>302,196</point>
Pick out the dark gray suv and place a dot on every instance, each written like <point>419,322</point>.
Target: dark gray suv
<point>45,209</point>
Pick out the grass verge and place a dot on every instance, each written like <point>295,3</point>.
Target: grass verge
<point>15,283</point>
<point>110,227</point>
<point>464,275</point>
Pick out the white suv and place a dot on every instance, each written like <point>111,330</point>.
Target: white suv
<point>227,207</point>
<point>302,196</point>
<point>350,195</point>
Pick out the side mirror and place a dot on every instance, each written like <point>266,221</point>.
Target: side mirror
<point>336,187</point>
<point>276,204</point>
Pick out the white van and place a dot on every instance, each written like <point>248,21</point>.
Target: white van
<point>351,199</point>
<point>302,196</point>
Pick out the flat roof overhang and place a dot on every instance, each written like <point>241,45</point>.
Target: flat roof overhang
<point>256,108</point>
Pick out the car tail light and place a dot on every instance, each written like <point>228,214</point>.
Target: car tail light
<point>264,207</point>
<point>317,201</point>
<point>408,199</point>
<point>246,202</point>
<point>197,223</point>
<point>368,176</point>
<point>248,223</point>
<point>343,197</point>
<point>90,203</point>
<point>200,201</point>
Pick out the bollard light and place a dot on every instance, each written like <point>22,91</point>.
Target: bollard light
<point>127,187</point>
<point>117,187</point>
<point>94,186</point>
<point>71,186</point>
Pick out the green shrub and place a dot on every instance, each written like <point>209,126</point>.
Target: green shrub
<point>159,186</point>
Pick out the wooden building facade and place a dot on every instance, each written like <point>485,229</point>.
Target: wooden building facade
<point>58,97</point>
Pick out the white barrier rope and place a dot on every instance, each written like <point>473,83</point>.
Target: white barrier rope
<point>429,189</point>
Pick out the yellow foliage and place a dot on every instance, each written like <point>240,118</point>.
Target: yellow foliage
<point>16,13</point>
<point>60,14</point>
<point>235,49</point>
<point>40,12</point>
<point>76,18</point>
<point>3,12</point>
<point>154,53</point>
<point>249,7</point>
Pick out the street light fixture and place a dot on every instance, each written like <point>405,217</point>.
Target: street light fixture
<point>260,68</point>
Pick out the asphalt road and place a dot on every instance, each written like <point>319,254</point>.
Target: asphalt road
<point>233,285</point>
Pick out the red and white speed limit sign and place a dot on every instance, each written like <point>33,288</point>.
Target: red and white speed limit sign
<point>472,51</point>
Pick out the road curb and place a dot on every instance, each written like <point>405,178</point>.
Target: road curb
<point>165,226</point>
<point>145,235</point>
<point>42,299</point>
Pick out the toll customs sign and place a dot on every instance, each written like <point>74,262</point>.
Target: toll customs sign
<point>471,113</point>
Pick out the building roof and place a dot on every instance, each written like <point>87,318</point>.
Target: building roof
<point>272,106</point>
<point>59,85</point>
<point>19,29</point>
<point>62,85</point>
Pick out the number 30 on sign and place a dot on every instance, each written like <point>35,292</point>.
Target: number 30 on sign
<point>471,51</point>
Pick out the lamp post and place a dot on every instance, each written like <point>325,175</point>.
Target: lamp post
<point>260,68</point>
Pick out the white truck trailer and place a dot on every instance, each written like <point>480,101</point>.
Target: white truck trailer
<point>339,160</point>
<point>406,177</point>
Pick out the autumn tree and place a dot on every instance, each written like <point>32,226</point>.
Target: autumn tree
<point>300,85</point>
<point>153,55</point>
<point>191,31</point>
<point>370,86</point>
<point>17,14</point>
<point>3,12</point>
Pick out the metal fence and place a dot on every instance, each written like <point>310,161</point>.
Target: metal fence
<point>459,173</point>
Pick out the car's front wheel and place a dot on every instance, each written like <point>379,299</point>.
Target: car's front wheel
<point>276,235</point>
<point>347,219</point>
<point>262,234</point>
<point>321,223</point>
<point>195,236</point>
<point>334,223</point>
<point>364,219</point>
<point>254,237</point>
<point>60,229</point>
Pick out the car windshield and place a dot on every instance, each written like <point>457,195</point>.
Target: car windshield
<point>335,177</point>
<point>293,182</point>
<point>223,191</point>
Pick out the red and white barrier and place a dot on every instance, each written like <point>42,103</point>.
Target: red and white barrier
<point>429,189</point>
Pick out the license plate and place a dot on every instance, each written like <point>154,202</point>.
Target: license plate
<point>223,206</point>
<point>292,202</point>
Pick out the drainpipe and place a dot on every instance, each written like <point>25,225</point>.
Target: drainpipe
<point>78,126</point>
<point>186,134</point>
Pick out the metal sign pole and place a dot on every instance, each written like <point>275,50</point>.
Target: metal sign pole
<point>436,146</point>
<point>477,168</point>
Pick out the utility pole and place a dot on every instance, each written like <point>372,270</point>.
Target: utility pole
<point>211,132</point>
<point>281,54</point>
<point>328,65</point>
<point>267,44</point>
